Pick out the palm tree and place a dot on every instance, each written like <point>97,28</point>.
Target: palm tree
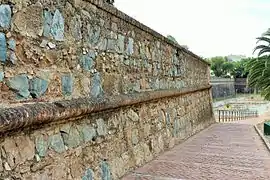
<point>259,68</point>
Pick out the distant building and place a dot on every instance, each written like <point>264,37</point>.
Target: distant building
<point>232,58</point>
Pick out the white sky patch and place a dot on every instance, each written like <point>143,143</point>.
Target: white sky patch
<point>208,27</point>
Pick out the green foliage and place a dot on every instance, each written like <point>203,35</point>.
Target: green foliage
<point>224,68</point>
<point>172,39</point>
<point>259,68</point>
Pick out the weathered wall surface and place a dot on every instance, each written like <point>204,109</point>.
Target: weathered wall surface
<point>112,93</point>
<point>222,87</point>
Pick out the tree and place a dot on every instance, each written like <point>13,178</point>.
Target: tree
<point>259,68</point>
<point>239,70</point>
<point>220,66</point>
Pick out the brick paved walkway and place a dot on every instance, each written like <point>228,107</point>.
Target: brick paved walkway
<point>221,152</point>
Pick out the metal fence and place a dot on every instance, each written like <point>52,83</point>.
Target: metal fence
<point>235,115</point>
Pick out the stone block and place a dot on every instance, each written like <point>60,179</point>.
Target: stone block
<point>58,26</point>
<point>89,175</point>
<point>130,48</point>
<point>29,21</point>
<point>101,127</point>
<point>2,76</point>
<point>87,133</point>
<point>105,171</point>
<point>41,146</point>
<point>56,143</point>
<point>72,139</point>
<point>5,16</point>
<point>87,61</point>
<point>20,84</point>
<point>3,47</point>
<point>96,88</point>
<point>12,44</point>
<point>67,84</point>
<point>38,87</point>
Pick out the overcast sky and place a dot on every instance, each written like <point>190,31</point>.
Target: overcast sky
<point>208,27</point>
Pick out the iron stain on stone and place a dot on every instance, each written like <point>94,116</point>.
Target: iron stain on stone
<point>5,16</point>
<point>3,47</point>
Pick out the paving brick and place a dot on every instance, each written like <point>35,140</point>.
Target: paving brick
<point>223,151</point>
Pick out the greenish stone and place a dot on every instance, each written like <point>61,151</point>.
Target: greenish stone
<point>111,46</point>
<point>96,88</point>
<point>13,58</point>
<point>87,132</point>
<point>88,175</point>
<point>38,87</point>
<point>1,76</point>
<point>101,127</point>
<point>5,16</point>
<point>72,139</point>
<point>168,119</point>
<point>41,146</point>
<point>87,61</point>
<point>67,84</point>
<point>120,43</point>
<point>105,171</point>
<point>3,48</point>
<point>93,35</point>
<point>58,26</point>
<point>176,127</point>
<point>129,49</point>
<point>56,143</point>
<point>20,84</point>
<point>76,25</point>
<point>48,17</point>
<point>12,44</point>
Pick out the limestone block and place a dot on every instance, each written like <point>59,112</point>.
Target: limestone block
<point>28,22</point>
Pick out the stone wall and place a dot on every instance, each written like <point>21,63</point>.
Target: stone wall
<point>222,87</point>
<point>90,93</point>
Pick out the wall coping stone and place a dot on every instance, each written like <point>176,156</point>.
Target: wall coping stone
<point>114,11</point>
<point>46,112</point>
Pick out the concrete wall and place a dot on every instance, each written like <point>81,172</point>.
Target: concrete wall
<point>90,93</point>
<point>222,87</point>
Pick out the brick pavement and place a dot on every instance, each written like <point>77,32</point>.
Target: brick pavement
<point>223,151</point>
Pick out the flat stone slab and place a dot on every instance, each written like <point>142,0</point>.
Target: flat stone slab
<point>223,151</point>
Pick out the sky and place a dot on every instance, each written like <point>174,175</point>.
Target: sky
<point>208,27</point>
